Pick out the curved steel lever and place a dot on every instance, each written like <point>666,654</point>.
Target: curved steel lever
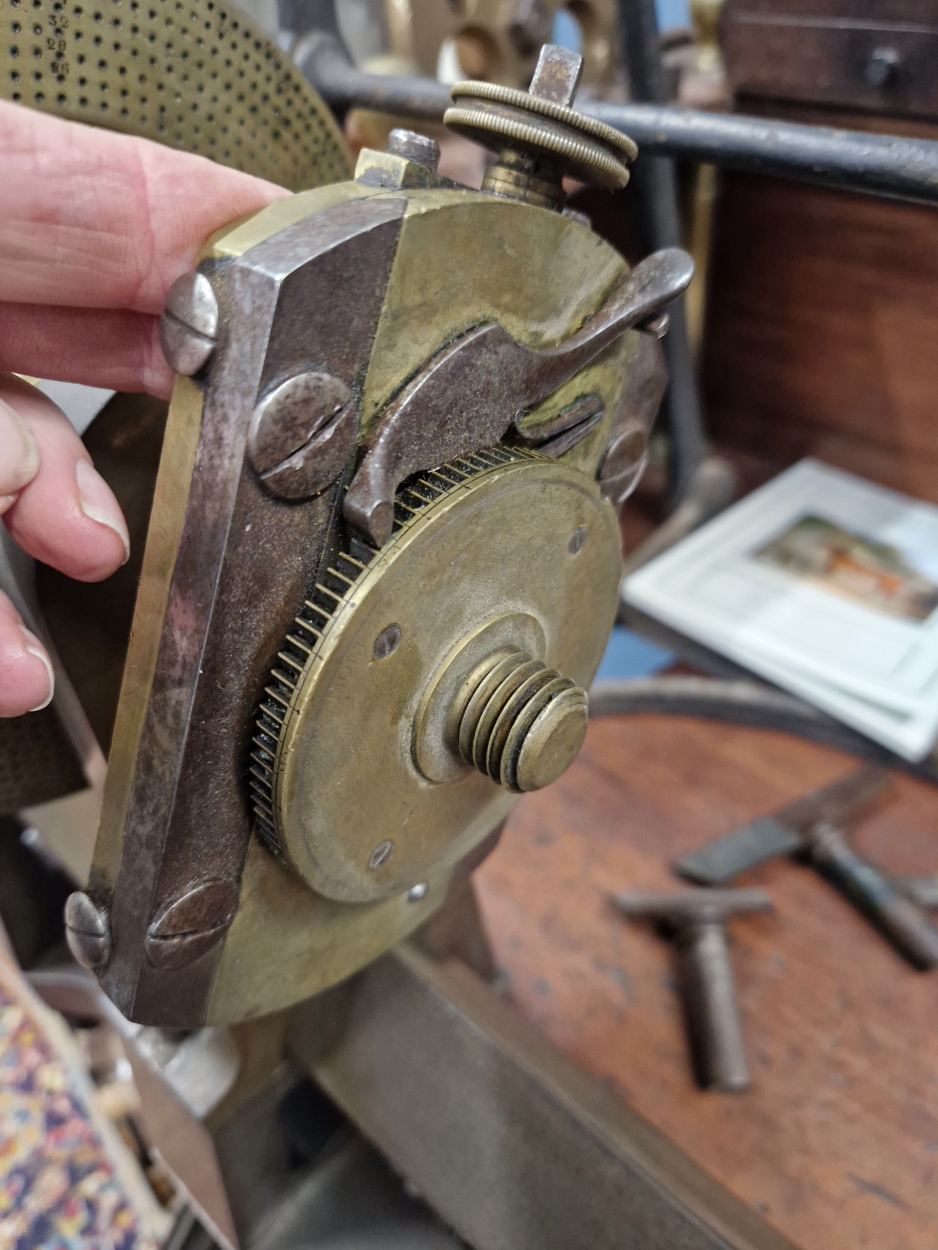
<point>467,396</point>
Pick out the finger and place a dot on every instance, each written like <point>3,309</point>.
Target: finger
<point>19,455</point>
<point>67,515</point>
<point>26,680</point>
<point>106,347</point>
<point>91,218</point>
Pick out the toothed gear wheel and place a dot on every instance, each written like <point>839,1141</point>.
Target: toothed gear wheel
<point>336,789</point>
<point>300,651</point>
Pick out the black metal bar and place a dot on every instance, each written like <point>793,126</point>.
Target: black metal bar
<point>654,189</point>
<point>744,701</point>
<point>342,86</point>
<point>848,160</point>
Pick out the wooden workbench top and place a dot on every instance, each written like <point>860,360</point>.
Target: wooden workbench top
<point>837,1141</point>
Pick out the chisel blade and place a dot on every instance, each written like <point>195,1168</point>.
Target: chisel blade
<point>783,831</point>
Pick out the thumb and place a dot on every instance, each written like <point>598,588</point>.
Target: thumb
<point>19,455</point>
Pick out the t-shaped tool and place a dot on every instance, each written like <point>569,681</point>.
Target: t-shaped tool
<point>697,919</point>
<point>810,828</point>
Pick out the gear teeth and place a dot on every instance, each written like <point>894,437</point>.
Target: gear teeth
<point>314,619</point>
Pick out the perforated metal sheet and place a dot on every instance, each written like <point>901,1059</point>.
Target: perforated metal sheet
<point>193,74</point>
<point>36,761</point>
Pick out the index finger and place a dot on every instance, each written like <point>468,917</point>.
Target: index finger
<point>94,219</point>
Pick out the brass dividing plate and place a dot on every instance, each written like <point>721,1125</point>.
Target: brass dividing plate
<point>193,74</point>
<point>337,787</point>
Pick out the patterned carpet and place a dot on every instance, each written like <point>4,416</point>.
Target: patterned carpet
<point>59,1188</point>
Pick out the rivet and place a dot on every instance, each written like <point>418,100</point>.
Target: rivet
<point>577,539</point>
<point>417,892</point>
<point>381,854</point>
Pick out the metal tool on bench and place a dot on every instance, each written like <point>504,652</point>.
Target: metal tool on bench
<point>383,558</point>
<point>922,890</point>
<point>810,829</point>
<point>697,919</point>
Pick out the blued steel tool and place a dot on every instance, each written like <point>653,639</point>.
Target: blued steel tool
<point>895,915</point>
<point>923,891</point>
<point>697,921</point>
<point>783,832</point>
<point>810,828</point>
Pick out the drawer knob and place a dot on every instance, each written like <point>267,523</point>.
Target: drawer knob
<point>881,66</point>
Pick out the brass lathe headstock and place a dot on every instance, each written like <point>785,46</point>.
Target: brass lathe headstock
<point>382,562</point>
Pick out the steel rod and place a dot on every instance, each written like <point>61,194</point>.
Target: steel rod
<point>885,165</point>
<point>654,188</point>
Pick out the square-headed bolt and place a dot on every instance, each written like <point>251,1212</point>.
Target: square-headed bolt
<point>557,75</point>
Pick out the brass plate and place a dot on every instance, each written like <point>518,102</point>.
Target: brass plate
<point>195,75</point>
<point>353,813</point>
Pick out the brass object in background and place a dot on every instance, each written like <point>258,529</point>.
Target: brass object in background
<point>497,40</point>
<point>196,75</point>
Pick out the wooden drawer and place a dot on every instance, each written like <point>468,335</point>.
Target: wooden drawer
<point>881,57</point>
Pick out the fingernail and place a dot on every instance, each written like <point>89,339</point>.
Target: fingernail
<point>98,502</point>
<point>35,647</point>
<point>19,454</point>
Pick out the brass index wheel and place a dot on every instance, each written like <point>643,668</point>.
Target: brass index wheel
<point>404,714</point>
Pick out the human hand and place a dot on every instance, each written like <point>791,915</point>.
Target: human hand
<point>94,229</point>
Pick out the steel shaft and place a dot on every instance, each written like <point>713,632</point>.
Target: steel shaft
<point>903,923</point>
<point>697,920</point>
<point>709,996</point>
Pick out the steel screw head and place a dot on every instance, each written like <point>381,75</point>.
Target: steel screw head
<point>414,147</point>
<point>192,924</point>
<point>189,324</point>
<point>302,433</point>
<point>87,931</point>
<point>623,464</point>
